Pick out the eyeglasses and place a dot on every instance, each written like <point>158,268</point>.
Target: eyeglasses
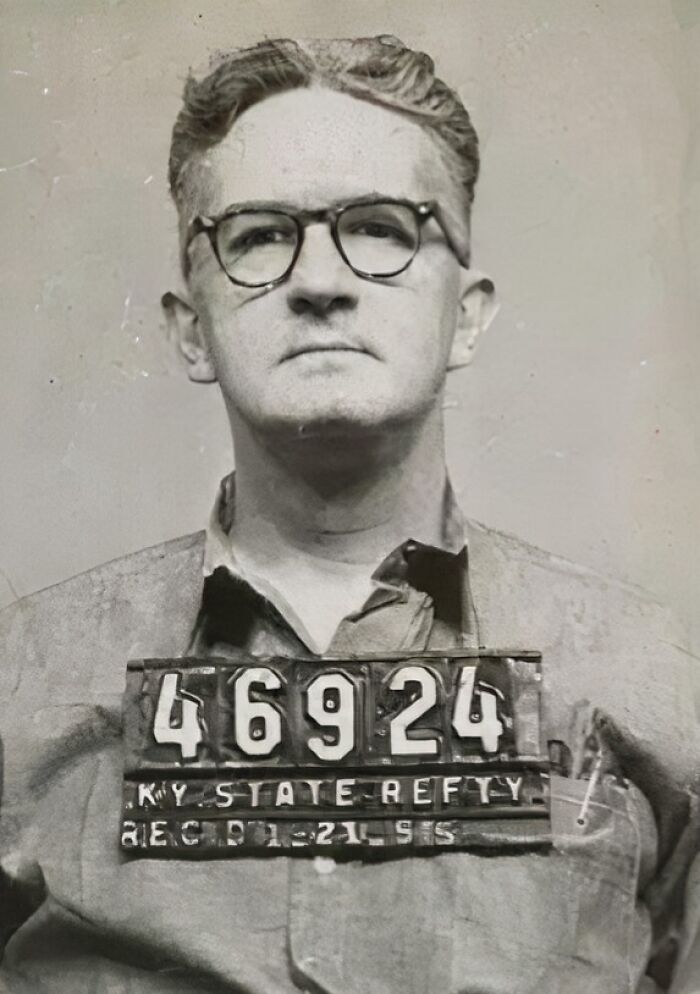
<point>259,247</point>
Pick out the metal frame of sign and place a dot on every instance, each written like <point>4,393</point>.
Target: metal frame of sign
<point>387,752</point>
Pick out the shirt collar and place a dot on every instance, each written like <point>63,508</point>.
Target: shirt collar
<point>218,549</point>
<point>435,569</point>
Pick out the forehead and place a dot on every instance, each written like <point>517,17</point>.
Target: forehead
<point>312,147</point>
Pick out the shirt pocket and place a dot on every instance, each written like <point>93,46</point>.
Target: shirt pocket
<point>567,920</point>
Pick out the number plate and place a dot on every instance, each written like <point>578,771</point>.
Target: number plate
<point>277,755</point>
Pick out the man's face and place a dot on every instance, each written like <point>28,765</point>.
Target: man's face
<point>327,349</point>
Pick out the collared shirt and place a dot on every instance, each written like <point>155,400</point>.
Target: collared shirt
<point>576,921</point>
<point>420,597</point>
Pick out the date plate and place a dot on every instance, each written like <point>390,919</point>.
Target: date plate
<point>336,756</point>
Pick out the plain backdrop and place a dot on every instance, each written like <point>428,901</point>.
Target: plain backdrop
<point>577,425</point>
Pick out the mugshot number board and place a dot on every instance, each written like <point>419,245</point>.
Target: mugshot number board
<point>336,756</point>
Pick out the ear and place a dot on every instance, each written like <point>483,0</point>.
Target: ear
<point>477,309</point>
<point>183,325</point>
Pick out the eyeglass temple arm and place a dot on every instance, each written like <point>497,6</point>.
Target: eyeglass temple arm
<point>433,209</point>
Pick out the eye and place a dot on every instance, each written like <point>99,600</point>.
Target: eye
<point>380,229</point>
<point>389,224</point>
<point>375,229</point>
<point>257,238</point>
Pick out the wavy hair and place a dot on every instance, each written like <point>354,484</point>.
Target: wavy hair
<point>381,70</point>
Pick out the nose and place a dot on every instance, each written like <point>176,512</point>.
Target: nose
<point>321,281</point>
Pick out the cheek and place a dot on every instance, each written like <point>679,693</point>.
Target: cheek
<point>424,334</point>
<point>446,306</point>
<point>237,350</point>
<point>218,306</point>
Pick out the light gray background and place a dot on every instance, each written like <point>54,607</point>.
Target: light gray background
<point>576,427</point>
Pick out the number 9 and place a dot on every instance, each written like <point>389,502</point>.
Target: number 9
<point>340,716</point>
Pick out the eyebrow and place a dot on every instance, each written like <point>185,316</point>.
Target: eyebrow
<point>289,207</point>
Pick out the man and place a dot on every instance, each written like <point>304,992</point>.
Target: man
<point>324,191</point>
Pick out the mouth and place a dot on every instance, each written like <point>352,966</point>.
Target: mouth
<point>316,348</point>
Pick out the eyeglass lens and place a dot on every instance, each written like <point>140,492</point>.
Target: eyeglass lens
<point>257,247</point>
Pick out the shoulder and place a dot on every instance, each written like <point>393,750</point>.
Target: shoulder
<point>603,641</point>
<point>146,601</point>
<point>137,576</point>
<point>509,548</point>
<point>519,568</point>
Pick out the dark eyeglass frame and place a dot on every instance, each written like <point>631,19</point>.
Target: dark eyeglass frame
<point>302,219</point>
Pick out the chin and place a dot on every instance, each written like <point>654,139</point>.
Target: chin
<point>333,422</point>
<point>346,417</point>
<point>341,405</point>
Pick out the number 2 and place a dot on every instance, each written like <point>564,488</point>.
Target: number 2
<point>401,745</point>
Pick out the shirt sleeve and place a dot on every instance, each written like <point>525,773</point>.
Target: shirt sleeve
<point>22,887</point>
<point>687,973</point>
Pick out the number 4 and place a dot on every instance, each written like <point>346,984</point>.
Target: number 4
<point>489,727</point>
<point>188,734</point>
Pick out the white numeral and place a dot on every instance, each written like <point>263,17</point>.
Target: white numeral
<point>336,712</point>
<point>401,745</point>
<point>257,739</point>
<point>489,727</point>
<point>188,734</point>
<point>331,703</point>
<point>325,832</point>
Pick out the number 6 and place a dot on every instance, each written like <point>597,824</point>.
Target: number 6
<point>246,711</point>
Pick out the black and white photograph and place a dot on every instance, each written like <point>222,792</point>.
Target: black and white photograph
<point>351,497</point>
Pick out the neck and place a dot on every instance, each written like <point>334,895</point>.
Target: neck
<point>347,499</point>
